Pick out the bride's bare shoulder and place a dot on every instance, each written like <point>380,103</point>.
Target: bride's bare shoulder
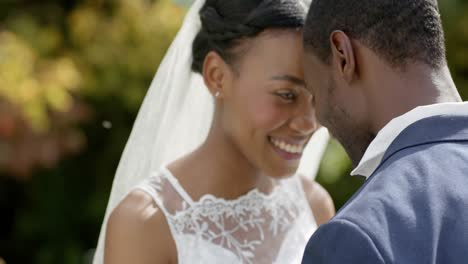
<point>137,232</point>
<point>319,200</point>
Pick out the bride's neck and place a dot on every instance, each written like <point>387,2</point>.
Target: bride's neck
<point>231,166</point>
<point>218,167</point>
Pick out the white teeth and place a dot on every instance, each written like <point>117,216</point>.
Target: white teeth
<point>295,149</point>
<point>287,147</point>
<point>282,145</point>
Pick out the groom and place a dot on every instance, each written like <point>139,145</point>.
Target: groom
<point>379,75</point>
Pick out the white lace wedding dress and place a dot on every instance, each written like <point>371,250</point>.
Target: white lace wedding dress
<point>255,228</point>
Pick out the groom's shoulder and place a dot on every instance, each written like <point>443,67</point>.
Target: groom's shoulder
<point>411,196</point>
<point>403,209</point>
<point>408,181</point>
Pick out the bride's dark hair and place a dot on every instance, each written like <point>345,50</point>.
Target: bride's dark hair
<point>226,22</point>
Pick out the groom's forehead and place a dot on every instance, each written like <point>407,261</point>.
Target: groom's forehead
<point>312,62</point>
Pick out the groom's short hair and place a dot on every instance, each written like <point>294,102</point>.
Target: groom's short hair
<point>399,31</point>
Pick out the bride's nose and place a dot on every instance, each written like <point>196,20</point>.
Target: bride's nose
<point>305,121</point>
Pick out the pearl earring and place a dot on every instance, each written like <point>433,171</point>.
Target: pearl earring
<point>217,94</point>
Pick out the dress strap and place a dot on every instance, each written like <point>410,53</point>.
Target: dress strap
<point>166,192</point>
<point>152,187</point>
<point>176,185</point>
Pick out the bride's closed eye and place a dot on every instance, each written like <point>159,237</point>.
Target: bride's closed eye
<point>286,95</point>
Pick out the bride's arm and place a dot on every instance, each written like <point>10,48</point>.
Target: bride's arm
<point>319,200</point>
<point>137,232</point>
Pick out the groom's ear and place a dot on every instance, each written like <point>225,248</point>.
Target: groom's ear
<point>215,74</point>
<point>342,55</point>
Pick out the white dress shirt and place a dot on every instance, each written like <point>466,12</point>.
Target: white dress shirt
<point>376,150</point>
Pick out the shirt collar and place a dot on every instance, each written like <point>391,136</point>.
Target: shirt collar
<point>376,150</point>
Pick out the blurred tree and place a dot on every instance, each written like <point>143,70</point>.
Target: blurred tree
<point>33,90</point>
<point>455,20</point>
<point>116,52</point>
<point>72,76</point>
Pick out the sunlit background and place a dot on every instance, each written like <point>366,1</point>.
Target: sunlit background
<point>72,76</point>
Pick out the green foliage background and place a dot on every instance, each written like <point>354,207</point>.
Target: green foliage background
<point>72,76</point>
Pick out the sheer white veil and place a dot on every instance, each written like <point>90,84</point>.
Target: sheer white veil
<point>174,119</point>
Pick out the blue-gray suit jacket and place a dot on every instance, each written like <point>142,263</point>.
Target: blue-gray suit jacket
<point>413,208</point>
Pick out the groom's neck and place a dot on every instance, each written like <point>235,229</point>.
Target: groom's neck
<point>418,85</point>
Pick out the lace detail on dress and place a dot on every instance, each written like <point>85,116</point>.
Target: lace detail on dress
<point>226,223</point>
<point>252,227</point>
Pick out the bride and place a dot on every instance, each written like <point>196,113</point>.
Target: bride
<point>210,173</point>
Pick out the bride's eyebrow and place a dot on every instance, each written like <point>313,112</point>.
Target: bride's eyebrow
<point>289,78</point>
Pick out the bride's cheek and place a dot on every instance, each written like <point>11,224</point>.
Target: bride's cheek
<point>269,115</point>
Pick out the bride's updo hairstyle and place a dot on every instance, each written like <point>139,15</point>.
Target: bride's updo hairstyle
<point>226,23</point>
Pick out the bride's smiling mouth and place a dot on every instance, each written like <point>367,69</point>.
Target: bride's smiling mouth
<point>286,148</point>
